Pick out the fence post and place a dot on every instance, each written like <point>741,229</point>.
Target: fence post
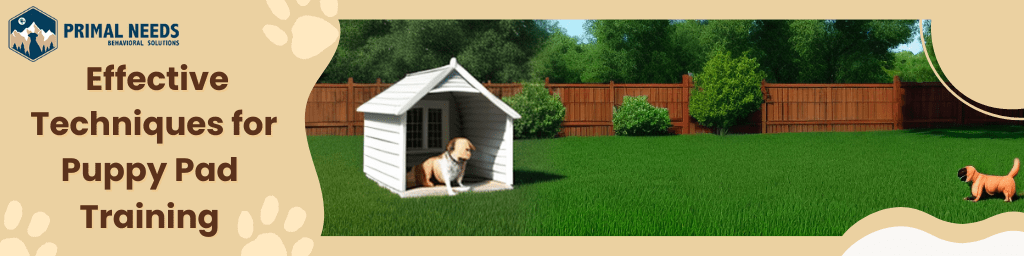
<point>897,104</point>
<point>611,92</point>
<point>686,115</point>
<point>550,91</point>
<point>611,112</point>
<point>764,107</point>
<point>350,108</point>
<point>828,102</point>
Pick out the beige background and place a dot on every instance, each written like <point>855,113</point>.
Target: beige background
<point>265,80</point>
<point>268,80</point>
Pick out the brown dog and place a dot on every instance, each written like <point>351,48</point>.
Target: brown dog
<point>990,184</point>
<point>445,168</point>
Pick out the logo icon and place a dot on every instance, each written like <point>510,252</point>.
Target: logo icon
<point>32,34</point>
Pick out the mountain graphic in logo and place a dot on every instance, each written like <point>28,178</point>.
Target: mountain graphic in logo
<point>32,34</point>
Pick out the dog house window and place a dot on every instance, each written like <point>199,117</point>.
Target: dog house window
<point>427,126</point>
<point>414,127</point>
<point>434,128</point>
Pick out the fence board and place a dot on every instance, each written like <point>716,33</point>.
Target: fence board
<point>331,108</point>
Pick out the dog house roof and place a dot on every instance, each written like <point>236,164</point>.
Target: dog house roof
<point>401,96</point>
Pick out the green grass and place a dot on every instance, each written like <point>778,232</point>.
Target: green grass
<point>796,184</point>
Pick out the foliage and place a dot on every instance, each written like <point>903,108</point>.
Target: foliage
<point>542,113</point>
<point>625,51</point>
<point>846,51</point>
<point>497,50</point>
<point>637,117</point>
<point>696,40</point>
<point>727,91</point>
<point>914,67</point>
<point>774,51</point>
<point>798,51</point>
<point>600,64</point>
<point>557,59</point>
<point>911,67</point>
<point>631,51</point>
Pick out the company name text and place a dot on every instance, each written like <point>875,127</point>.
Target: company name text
<point>140,30</point>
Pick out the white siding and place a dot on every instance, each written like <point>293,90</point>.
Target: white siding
<point>495,101</point>
<point>487,127</point>
<point>454,83</point>
<point>384,150</point>
<point>508,156</point>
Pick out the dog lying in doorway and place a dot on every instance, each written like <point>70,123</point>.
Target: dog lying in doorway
<point>990,184</point>
<point>446,168</point>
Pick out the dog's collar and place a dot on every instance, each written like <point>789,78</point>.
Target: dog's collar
<point>448,155</point>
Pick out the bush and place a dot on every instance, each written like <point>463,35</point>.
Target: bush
<point>637,117</point>
<point>727,91</point>
<point>542,113</point>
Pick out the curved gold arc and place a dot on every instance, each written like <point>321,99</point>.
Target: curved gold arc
<point>943,81</point>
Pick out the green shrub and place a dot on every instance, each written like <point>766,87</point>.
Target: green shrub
<point>727,91</point>
<point>542,113</point>
<point>637,117</point>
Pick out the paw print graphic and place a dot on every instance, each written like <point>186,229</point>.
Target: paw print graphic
<point>270,244</point>
<point>36,227</point>
<point>311,35</point>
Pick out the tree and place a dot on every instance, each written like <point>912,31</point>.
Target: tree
<point>846,51</point>
<point>558,59</point>
<point>632,51</point>
<point>600,63</point>
<point>798,51</point>
<point>496,50</point>
<point>911,67</point>
<point>697,40</point>
<point>770,45</point>
<point>727,91</point>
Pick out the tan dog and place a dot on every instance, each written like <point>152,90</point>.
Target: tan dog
<point>990,184</point>
<point>445,168</point>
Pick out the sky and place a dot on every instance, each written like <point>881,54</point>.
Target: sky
<point>575,28</point>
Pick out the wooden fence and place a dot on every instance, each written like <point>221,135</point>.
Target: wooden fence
<point>330,109</point>
<point>868,107</point>
<point>588,107</point>
<point>926,105</point>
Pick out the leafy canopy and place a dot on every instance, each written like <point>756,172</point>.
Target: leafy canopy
<point>625,51</point>
<point>497,50</point>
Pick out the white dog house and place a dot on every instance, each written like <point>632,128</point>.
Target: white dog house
<point>413,120</point>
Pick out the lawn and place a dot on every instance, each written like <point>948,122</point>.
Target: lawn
<point>795,184</point>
